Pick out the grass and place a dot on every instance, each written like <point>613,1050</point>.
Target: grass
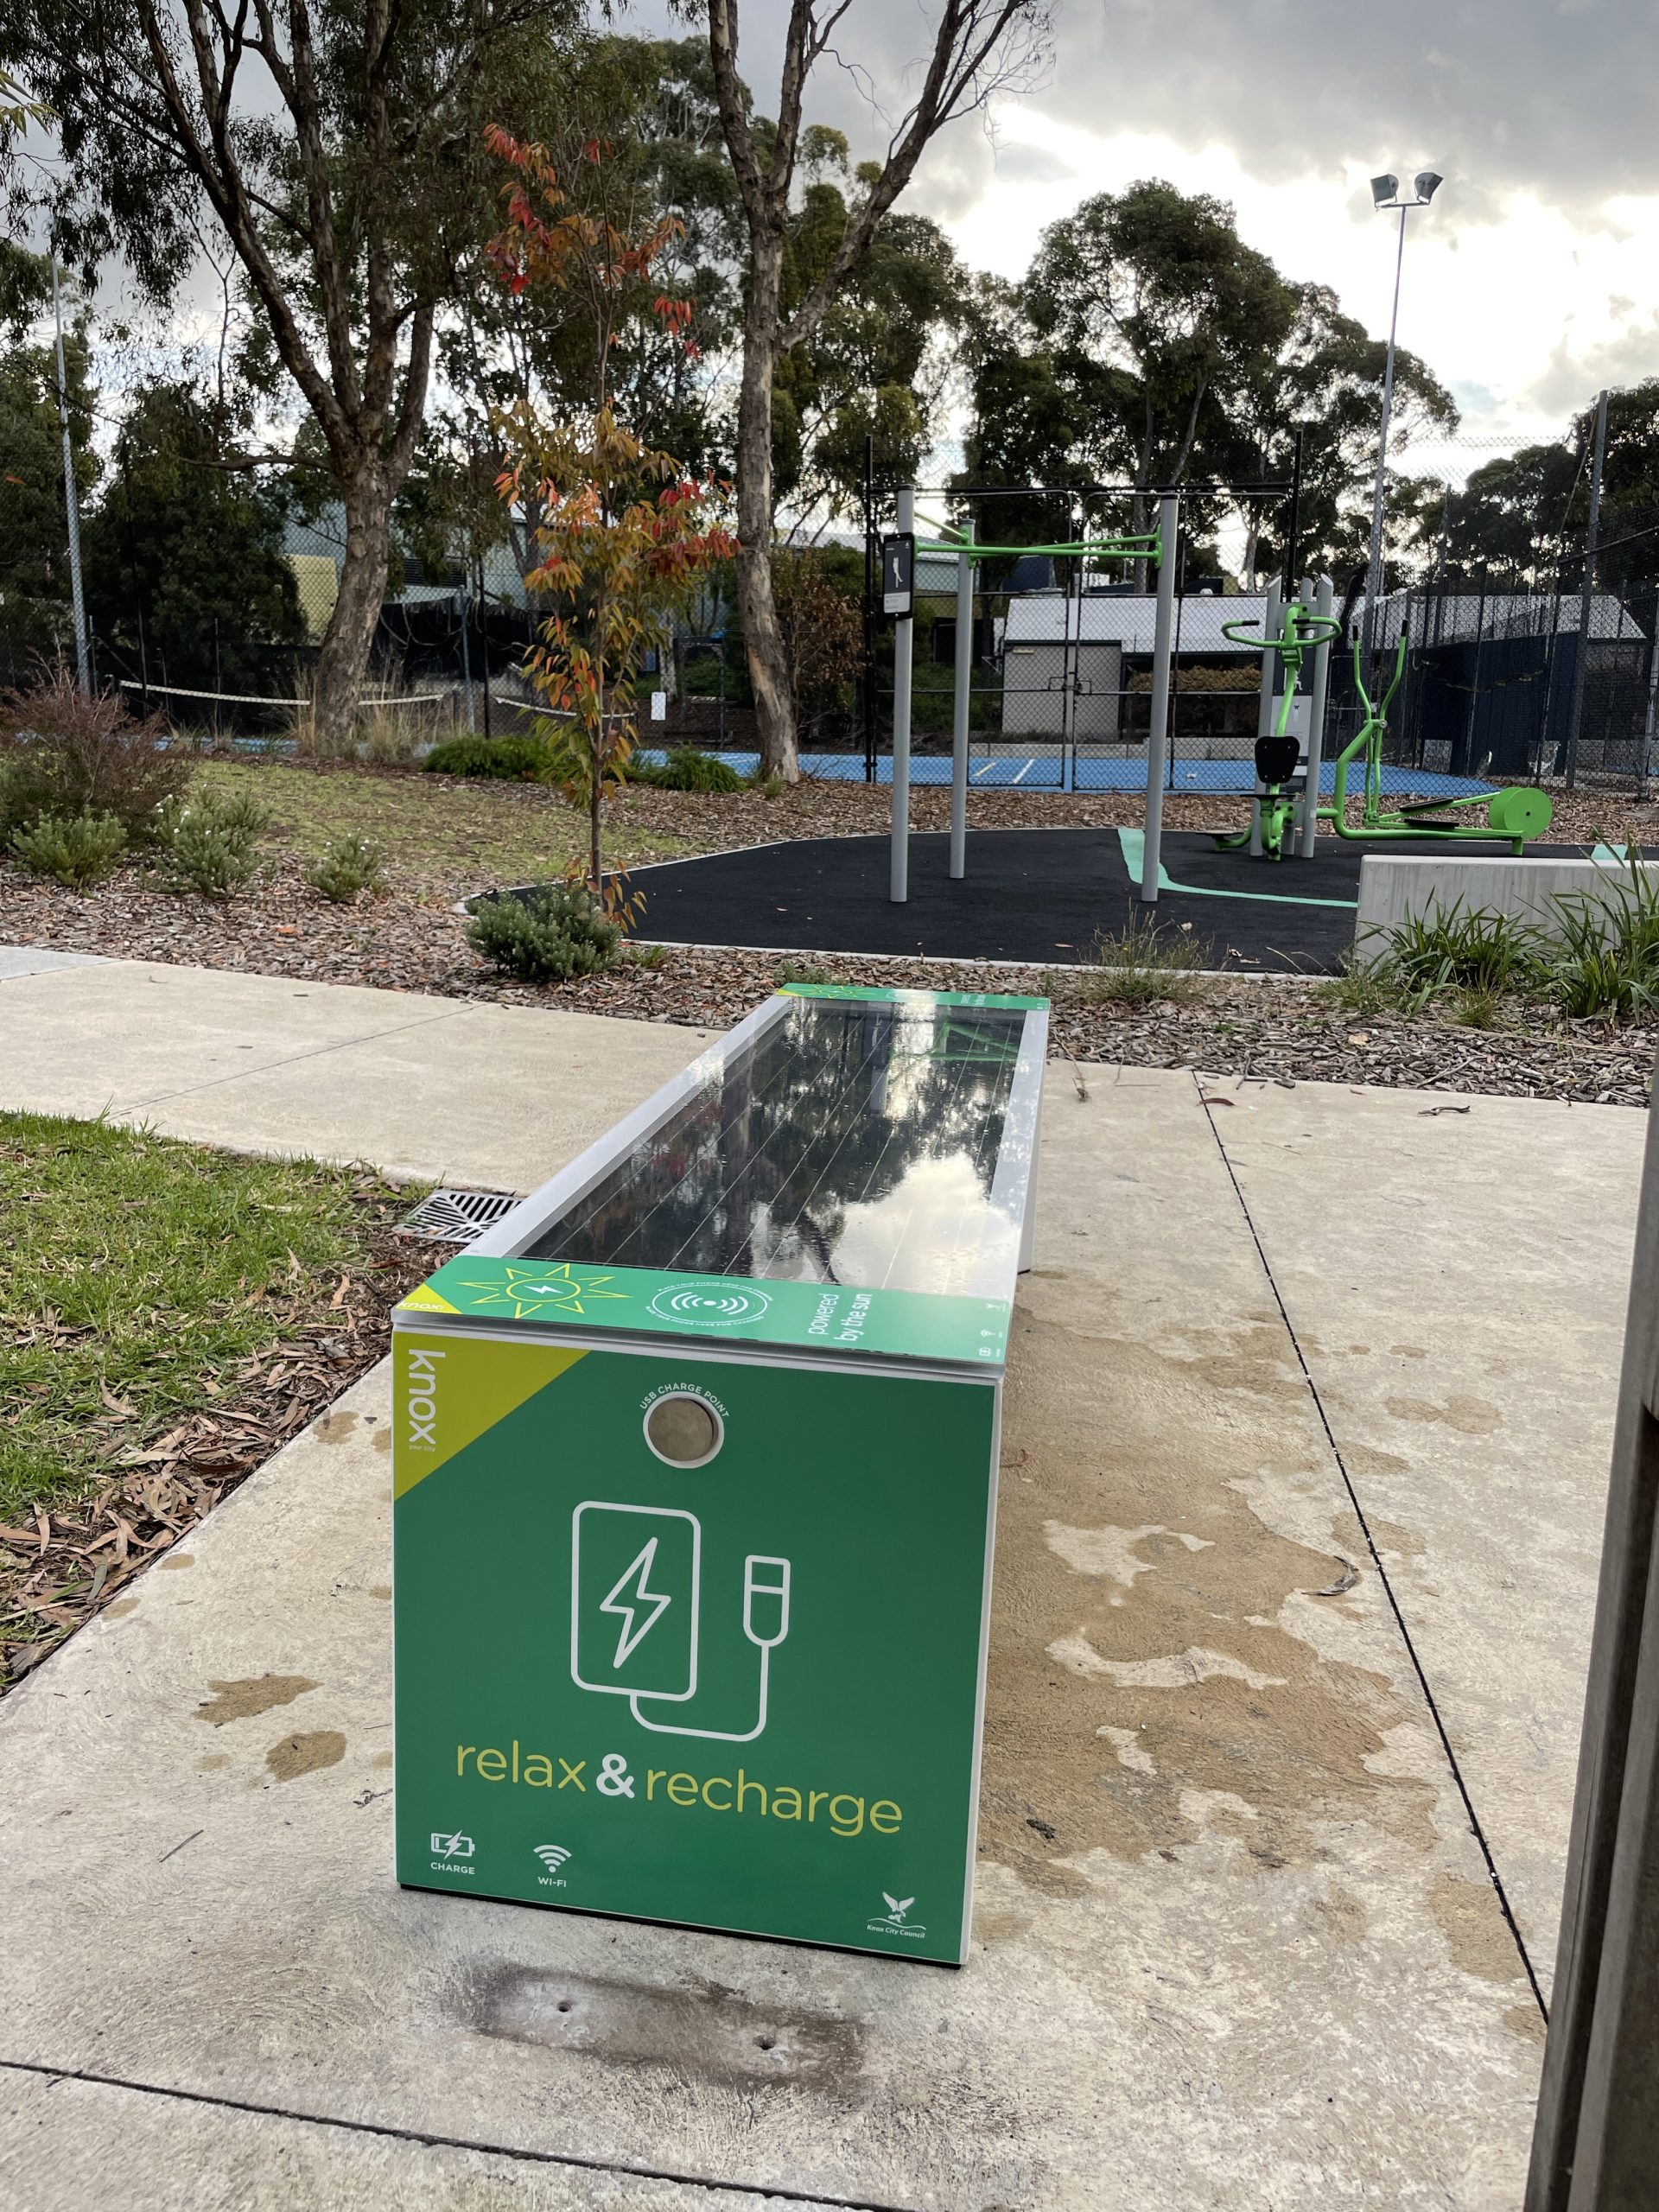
<point>141,1278</point>
<point>1145,963</point>
<point>431,831</point>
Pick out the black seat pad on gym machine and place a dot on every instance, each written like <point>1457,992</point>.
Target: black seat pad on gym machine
<point>1276,758</point>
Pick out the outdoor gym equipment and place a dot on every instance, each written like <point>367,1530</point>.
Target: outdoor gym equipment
<point>1279,753</point>
<point>1514,815</point>
<point>1156,547</point>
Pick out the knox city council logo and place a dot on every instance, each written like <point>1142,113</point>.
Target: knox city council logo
<point>525,1292</point>
<point>714,1303</point>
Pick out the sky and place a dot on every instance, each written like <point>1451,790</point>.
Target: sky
<point>1531,280</point>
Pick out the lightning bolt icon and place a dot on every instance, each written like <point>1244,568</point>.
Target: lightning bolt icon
<point>631,1585</point>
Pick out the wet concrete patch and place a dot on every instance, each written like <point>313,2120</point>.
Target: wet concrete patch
<point>298,1755</point>
<point>1143,1691</point>
<point>252,1695</point>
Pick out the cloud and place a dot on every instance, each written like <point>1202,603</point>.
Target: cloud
<point>1026,164</point>
<point>1574,377</point>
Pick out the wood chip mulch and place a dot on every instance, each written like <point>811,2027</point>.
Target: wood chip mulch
<point>74,1559</point>
<point>411,940</point>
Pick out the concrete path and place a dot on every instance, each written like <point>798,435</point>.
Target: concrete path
<point>439,1088</point>
<point>1237,1943</point>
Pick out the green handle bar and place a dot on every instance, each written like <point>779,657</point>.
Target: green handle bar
<point>1300,633</point>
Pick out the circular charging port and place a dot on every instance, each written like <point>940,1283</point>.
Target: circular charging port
<point>683,1430</point>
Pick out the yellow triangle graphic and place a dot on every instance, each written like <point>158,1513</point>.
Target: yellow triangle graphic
<point>426,1300</point>
<point>448,1390</point>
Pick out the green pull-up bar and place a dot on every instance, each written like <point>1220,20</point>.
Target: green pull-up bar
<point>1099,548</point>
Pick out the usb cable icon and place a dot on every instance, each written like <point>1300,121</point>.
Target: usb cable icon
<point>765,1624</point>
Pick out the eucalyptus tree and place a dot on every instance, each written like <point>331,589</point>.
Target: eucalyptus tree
<point>970,50</point>
<point>339,152</point>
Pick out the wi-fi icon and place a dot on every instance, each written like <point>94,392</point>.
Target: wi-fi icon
<point>552,1856</point>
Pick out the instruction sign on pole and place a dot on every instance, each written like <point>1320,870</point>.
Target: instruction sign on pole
<point>899,574</point>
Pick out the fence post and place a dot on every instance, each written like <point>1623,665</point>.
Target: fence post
<point>1653,701</point>
<point>1587,591</point>
<point>71,498</point>
<point>1169,514</point>
<point>1595,2144</point>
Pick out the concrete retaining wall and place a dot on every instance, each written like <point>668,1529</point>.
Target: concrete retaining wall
<point>1394,889</point>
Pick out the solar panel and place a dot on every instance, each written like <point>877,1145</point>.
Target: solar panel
<point>852,1141</point>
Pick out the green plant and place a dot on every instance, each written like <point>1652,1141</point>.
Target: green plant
<point>209,844</point>
<point>1607,961</point>
<point>522,758</point>
<point>649,955</point>
<point>1476,1006</point>
<point>79,849</point>
<point>69,755</point>
<point>771,787</point>
<point>686,769</point>
<point>550,934</point>
<point>1365,986</point>
<point>351,865</point>
<point>1459,948</point>
<point>799,971</point>
<point>1146,963</point>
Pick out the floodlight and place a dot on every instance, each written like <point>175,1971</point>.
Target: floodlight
<point>1426,183</point>
<point>1383,189</point>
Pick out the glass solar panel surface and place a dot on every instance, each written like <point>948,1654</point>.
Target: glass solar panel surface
<point>851,1141</point>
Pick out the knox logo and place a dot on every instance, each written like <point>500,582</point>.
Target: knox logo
<point>896,1920</point>
<point>420,1400</point>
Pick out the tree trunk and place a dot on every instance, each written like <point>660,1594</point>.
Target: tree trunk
<point>763,635</point>
<point>343,659</point>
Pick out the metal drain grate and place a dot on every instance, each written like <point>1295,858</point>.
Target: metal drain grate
<point>456,1216</point>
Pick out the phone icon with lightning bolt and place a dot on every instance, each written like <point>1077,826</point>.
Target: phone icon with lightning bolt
<point>635,1572</point>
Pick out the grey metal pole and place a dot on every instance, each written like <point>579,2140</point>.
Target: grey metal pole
<point>1169,516</point>
<point>1587,591</point>
<point>1653,703</point>
<point>961,701</point>
<point>1595,2144</point>
<point>70,501</point>
<point>1325,600</point>
<point>904,639</point>
<point>1373,565</point>
<point>1272,615</point>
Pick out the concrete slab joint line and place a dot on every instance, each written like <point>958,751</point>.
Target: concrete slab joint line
<point>756,2193</point>
<point>1475,1825</point>
<point>292,1060</point>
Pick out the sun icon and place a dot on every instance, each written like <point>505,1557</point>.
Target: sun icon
<point>525,1291</point>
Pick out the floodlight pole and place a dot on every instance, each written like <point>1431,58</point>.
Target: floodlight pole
<point>904,639</point>
<point>960,703</point>
<point>1373,565</point>
<point>70,501</point>
<point>1169,515</point>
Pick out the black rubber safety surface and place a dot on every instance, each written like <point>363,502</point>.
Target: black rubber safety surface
<point>1041,895</point>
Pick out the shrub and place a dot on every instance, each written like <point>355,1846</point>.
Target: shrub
<point>523,759</point>
<point>550,934</point>
<point>685,769</point>
<point>769,786</point>
<point>67,754</point>
<point>649,955</point>
<point>1146,962</point>
<point>210,844</point>
<point>351,865</point>
<point>79,849</point>
<point>1462,949</point>
<point>1607,963</point>
<point>799,971</point>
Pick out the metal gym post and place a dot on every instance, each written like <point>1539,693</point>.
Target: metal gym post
<point>1169,515</point>
<point>899,599</point>
<point>1596,2147</point>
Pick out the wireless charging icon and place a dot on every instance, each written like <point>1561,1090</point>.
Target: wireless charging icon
<point>636,1603</point>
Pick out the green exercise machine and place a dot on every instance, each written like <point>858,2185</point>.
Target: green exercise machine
<point>1279,754</point>
<point>1513,815</point>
